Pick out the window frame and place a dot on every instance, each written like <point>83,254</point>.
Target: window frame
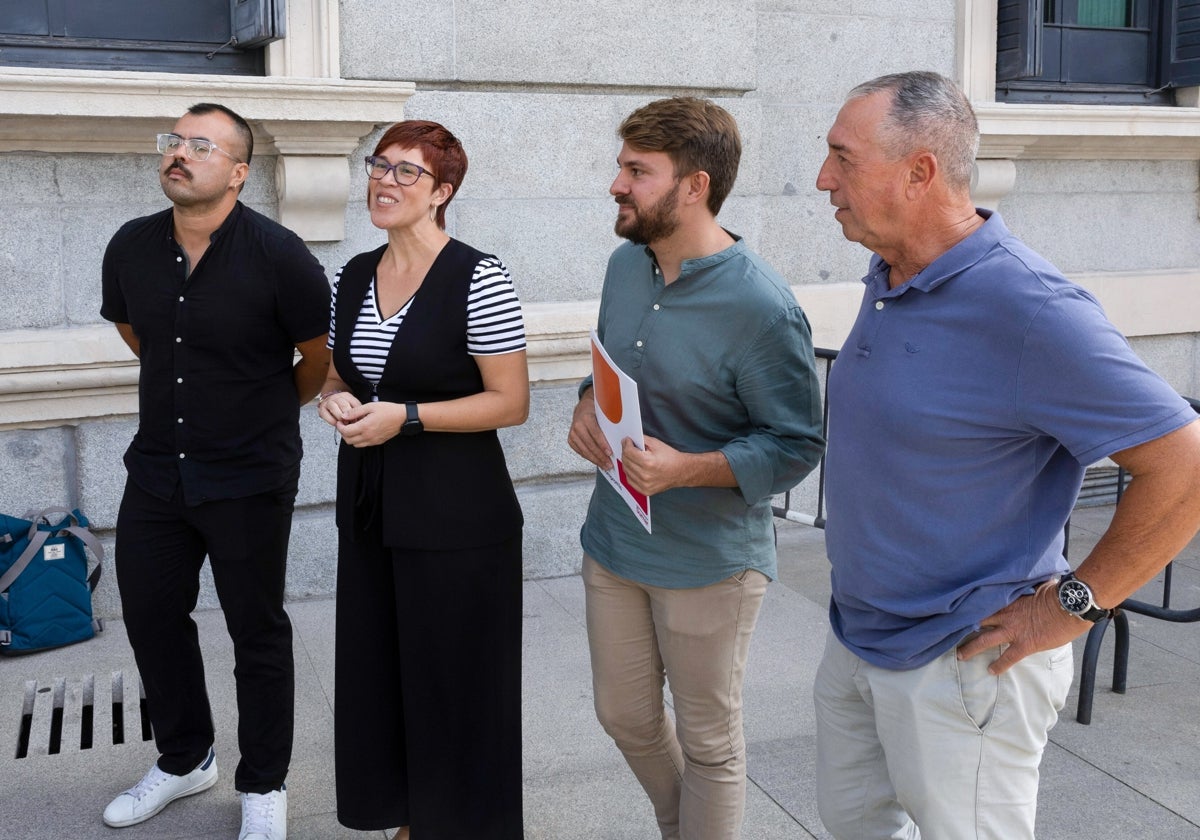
<point>234,47</point>
<point>1158,55</point>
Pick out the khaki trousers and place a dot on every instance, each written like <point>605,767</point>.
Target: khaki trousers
<point>698,639</point>
<point>946,751</point>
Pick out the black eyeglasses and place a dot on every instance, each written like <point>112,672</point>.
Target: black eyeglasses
<point>194,148</point>
<point>405,173</point>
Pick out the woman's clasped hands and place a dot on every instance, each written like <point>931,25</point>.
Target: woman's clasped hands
<point>362,424</point>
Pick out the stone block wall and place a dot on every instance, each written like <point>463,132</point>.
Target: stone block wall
<point>536,94</point>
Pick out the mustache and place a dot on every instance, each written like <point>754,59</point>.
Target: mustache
<point>177,166</point>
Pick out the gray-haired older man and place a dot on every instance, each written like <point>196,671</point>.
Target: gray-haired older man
<point>975,386</point>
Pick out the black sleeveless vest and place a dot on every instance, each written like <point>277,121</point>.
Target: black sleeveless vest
<point>434,490</point>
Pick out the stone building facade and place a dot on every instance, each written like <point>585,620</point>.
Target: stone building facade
<point>1108,192</point>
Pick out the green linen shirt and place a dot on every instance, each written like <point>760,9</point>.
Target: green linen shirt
<point>723,359</point>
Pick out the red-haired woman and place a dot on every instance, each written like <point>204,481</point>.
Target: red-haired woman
<point>428,361</point>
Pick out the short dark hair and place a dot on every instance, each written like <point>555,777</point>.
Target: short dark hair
<point>696,134</point>
<point>443,153</point>
<point>240,125</point>
<point>929,112</point>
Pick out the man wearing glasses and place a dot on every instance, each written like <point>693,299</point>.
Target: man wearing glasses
<point>214,299</point>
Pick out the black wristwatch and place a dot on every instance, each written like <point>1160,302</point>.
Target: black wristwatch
<point>1076,597</point>
<point>413,425</point>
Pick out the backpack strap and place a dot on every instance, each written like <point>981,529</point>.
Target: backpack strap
<point>14,571</point>
<point>38,537</point>
<point>43,515</point>
<point>89,539</point>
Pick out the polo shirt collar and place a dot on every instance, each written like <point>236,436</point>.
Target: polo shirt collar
<point>958,259</point>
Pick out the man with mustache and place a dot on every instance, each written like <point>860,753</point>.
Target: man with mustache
<point>731,408</point>
<point>214,299</point>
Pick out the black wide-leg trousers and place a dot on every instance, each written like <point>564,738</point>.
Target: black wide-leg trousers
<point>428,690</point>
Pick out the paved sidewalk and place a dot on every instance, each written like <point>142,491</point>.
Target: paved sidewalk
<point>1133,774</point>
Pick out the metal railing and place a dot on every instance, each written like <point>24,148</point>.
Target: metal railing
<point>825,358</point>
<point>1095,637</point>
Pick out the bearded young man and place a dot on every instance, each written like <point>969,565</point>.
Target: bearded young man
<point>731,408</point>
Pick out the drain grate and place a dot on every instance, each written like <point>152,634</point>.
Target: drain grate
<point>65,715</point>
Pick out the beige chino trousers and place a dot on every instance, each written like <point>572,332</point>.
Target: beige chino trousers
<point>697,640</point>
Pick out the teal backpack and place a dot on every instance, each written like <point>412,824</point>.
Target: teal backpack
<point>45,587</point>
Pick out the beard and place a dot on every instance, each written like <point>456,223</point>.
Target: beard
<point>657,222</point>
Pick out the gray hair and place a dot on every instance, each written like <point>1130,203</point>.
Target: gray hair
<point>928,112</point>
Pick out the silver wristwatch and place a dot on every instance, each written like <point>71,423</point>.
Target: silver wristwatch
<point>1076,597</point>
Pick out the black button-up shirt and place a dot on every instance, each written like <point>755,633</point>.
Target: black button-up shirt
<point>219,412</point>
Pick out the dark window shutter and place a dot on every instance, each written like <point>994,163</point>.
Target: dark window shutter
<point>1019,39</point>
<point>1181,37</point>
<point>197,36</point>
<point>256,22</point>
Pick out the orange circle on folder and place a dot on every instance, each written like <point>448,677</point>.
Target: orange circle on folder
<point>607,387</point>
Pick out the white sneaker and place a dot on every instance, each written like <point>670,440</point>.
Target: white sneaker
<point>264,815</point>
<point>157,790</point>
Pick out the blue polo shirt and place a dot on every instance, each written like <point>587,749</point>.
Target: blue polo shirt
<point>963,409</point>
<point>723,360</point>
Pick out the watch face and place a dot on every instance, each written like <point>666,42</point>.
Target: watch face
<point>1074,596</point>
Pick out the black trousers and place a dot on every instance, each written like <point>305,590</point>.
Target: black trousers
<point>160,548</point>
<point>427,709</point>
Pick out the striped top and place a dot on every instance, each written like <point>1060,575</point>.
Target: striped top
<point>494,322</point>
